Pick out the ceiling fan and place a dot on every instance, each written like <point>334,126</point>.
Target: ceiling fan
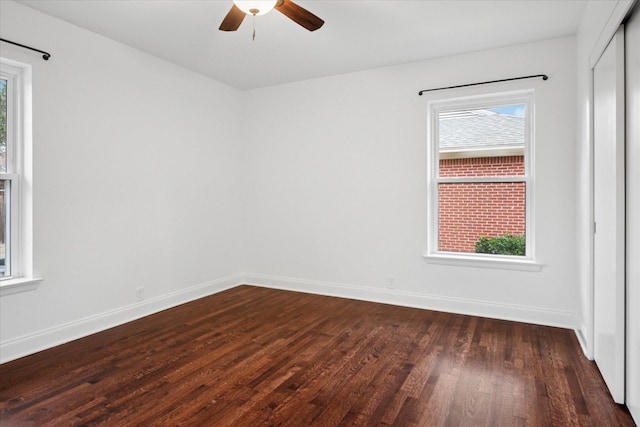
<point>297,14</point>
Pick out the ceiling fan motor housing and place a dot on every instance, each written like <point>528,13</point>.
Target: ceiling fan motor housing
<point>255,7</point>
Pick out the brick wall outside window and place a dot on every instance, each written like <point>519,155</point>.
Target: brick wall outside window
<point>470,210</point>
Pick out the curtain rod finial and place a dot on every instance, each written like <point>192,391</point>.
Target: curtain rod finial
<point>45,55</point>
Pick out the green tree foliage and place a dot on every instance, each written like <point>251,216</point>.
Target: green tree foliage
<point>3,115</point>
<point>506,244</point>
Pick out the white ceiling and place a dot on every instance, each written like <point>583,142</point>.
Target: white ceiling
<point>357,34</point>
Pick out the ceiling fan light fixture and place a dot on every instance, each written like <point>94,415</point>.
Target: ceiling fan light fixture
<point>255,7</point>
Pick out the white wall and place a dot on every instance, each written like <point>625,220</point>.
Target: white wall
<point>337,195</point>
<point>136,183</point>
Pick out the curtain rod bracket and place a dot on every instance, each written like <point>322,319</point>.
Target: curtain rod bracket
<point>45,55</point>
<point>544,77</point>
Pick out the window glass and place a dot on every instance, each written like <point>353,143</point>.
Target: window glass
<point>469,214</point>
<point>3,125</point>
<point>481,179</point>
<point>4,228</point>
<point>4,271</point>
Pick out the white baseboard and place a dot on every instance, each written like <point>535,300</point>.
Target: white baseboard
<point>29,344</point>
<point>583,343</point>
<point>42,340</point>
<point>516,313</point>
<point>635,413</point>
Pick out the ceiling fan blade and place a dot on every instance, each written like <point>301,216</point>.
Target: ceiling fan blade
<point>299,15</point>
<point>234,18</point>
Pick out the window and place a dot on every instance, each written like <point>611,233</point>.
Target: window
<point>15,179</point>
<point>480,170</point>
<point>7,150</point>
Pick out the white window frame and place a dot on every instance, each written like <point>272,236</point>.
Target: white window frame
<point>19,174</point>
<point>485,101</point>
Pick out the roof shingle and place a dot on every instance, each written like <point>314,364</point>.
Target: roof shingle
<point>475,129</point>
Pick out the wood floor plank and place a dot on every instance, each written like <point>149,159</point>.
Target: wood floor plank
<point>253,356</point>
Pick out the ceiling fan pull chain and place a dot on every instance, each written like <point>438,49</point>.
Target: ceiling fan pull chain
<point>254,27</point>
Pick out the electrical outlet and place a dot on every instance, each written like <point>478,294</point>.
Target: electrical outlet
<point>391,282</point>
<point>139,294</point>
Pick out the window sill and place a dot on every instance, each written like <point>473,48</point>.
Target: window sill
<point>16,286</point>
<point>499,262</point>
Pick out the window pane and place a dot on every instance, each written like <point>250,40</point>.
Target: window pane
<point>469,211</point>
<point>3,125</point>
<point>4,227</point>
<point>482,142</point>
<point>482,166</point>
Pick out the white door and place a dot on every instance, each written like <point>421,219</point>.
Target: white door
<point>609,216</point>
<point>632,90</point>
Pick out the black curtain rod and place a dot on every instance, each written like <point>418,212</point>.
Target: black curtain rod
<point>544,77</point>
<point>45,55</point>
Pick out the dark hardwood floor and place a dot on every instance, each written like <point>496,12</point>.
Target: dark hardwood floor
<point>260,357</point>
